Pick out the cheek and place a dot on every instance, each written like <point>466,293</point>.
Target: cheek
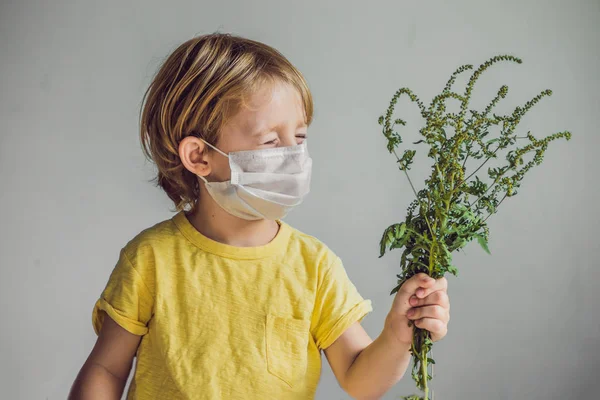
<point>220,170</point>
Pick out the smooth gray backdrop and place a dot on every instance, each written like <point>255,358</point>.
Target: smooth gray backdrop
<point>525,322</point>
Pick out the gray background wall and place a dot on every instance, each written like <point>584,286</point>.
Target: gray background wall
<point>525,321</point>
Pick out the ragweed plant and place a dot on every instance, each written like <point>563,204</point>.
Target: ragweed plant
<point>453,207</point>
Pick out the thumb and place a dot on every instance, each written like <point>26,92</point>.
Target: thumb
<point>409,288</point>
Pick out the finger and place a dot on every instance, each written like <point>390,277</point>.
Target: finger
<point>437,284</point>
<point>420,280</point>
<point>435,311</point>
<point>435,326</point>
<point>436,298</point>
<point>401,300</point>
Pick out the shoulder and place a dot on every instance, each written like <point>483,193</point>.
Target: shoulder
<point>152,242</point>
<point>312,249</point>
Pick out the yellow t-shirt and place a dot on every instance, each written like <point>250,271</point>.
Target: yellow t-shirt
<point>225,322</point>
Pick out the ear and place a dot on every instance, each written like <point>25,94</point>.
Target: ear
<point>193,155</point>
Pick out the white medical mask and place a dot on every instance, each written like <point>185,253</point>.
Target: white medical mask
<point>265,183</point>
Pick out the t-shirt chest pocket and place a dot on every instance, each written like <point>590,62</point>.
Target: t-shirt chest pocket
<point>287,347</point>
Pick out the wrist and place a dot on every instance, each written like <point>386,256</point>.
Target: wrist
<point>390,337</point>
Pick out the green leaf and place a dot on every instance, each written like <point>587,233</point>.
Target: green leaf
<point>401,231</point>
<point>400,243</point>
<point>483,243</point>
<point>445,249</point>
<point>430,360</point>
<point>382,247</point>
<point>453,270</point>
<point>459,243</point>
<point>406,160</point>
<point>386,239</point>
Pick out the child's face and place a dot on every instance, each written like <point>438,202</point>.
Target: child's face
<point>274,117</point>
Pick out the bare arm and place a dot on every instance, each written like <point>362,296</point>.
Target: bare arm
<point>366,369</point>
<point>105,372</point>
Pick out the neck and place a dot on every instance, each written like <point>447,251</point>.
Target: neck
<point>217,224</point>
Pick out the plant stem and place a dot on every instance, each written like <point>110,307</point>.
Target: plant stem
<point>498,177</point>
<point>486,218</point>
<point>488,189</point>
<point>465,163</point>
<point>424,371</point>
<point>474,172</point>
<point>417,196</point>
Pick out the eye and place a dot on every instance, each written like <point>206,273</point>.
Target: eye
<point>301,137</point>
<point>274,141</point>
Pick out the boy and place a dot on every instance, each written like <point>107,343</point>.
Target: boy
<point>225,300</point>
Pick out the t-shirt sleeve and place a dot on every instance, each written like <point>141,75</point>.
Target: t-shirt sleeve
<point>338,305</point>
<point>126,299</point>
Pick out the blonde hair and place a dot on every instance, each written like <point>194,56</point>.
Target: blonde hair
<point>196,90</point>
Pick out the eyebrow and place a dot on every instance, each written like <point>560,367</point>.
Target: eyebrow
<point>262,130</point>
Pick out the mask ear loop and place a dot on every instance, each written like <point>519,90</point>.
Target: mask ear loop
<point>214,148</point>
<point>218,151</point>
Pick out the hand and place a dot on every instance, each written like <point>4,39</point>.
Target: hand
<point>423,300</point>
